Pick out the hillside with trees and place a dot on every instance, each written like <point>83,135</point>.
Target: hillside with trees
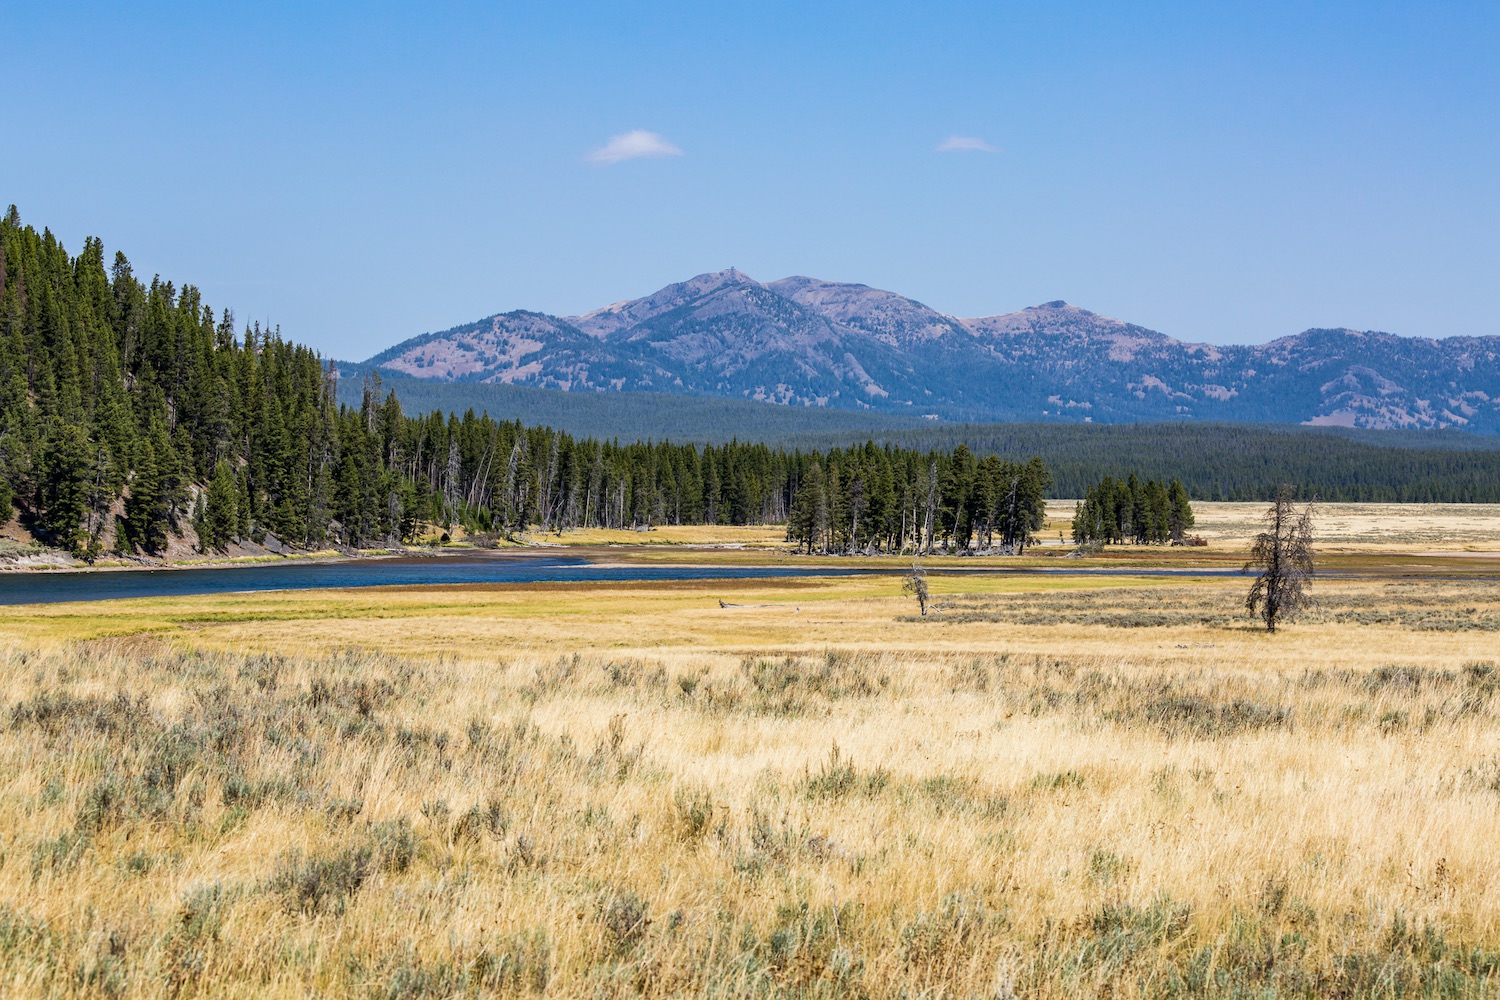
<point>1214,461</point>
<point>135,418</point>
<point>1240,462</point>
<point>133,414</point>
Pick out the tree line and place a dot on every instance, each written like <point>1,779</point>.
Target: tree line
<point>889,499</point>
<point>1240,462</point>
<point>1129,510</point>
<point>1214,461</point>
<point>131,412</point>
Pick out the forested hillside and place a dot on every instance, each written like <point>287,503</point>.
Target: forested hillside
<point>1213,460</point>
<point>132,414</point>
<point>1234,461</point>
<point>118,397</point>
<point>631,416</point>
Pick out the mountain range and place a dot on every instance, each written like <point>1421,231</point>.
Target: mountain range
<point>804,342</point>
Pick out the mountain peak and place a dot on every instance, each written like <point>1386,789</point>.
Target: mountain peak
<point>1064,307</point>
<point>712,281</point>
<point>730,273</point>
<point>623,315</point>
<point>891,318</point>
<point>805,341</point>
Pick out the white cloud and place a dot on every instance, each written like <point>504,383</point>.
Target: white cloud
<point>965,144</point>
<point>631,146</point>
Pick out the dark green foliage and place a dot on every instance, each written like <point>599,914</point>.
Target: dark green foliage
<point>1238,461</point>
<point>1129,510</point>
<point>114,390</point>
<point>128,408</point>
<point>1215,461</point>
<point>63,492</point>
<point>1179,511</point>
<point>220,510</point>
<point>870,498</point>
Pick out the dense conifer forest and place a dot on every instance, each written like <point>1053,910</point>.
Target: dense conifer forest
<point>1214,461</point>
<point>1239,461</point>
<point>131,414</point>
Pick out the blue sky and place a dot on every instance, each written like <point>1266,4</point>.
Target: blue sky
<point>363,173</point>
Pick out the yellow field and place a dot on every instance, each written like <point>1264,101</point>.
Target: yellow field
<point>1373,527</point>
<point>1049,787</point>
<point>1344,527</point>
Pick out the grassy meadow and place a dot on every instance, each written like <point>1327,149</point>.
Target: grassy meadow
<point>1049,787</point>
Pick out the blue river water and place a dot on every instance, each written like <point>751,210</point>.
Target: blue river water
<point>50,587</point>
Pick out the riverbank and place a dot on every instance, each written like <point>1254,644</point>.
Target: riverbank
<point>54,560</point>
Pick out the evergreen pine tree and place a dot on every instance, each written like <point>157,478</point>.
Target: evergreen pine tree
<point>64,480</point>
<point>1180,515</point>
<point>220,510</point>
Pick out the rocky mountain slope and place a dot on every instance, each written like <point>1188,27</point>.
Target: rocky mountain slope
<point>801,341</point>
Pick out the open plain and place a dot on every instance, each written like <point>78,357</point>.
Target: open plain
<point>1050,786</point>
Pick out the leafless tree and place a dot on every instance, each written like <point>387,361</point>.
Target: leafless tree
<point>1283,555</point>
<point>915,584</point>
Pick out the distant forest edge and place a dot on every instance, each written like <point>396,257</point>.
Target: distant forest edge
<point>1215,461</point>
<point>629,416</point>
<point>134,417</point>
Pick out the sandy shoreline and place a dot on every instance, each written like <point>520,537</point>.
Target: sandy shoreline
<point>56,562</point>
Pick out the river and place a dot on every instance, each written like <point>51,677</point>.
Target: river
<point>54,586</point>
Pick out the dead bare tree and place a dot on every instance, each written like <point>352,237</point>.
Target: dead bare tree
<point>1283,555</point>
<point>915,584</point>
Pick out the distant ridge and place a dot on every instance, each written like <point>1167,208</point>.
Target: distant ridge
<point>805,342</point>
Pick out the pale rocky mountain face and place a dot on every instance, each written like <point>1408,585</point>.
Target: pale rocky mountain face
<point>892,319</point>
<point>803,341</point>
<point>624,315</point>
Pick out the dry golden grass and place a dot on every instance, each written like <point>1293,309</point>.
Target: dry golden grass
<point>1342,527</point>
<point>1053,787</point>
<point>1358,527</point>
<point>759,536</point>
<point>1227,527</point>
